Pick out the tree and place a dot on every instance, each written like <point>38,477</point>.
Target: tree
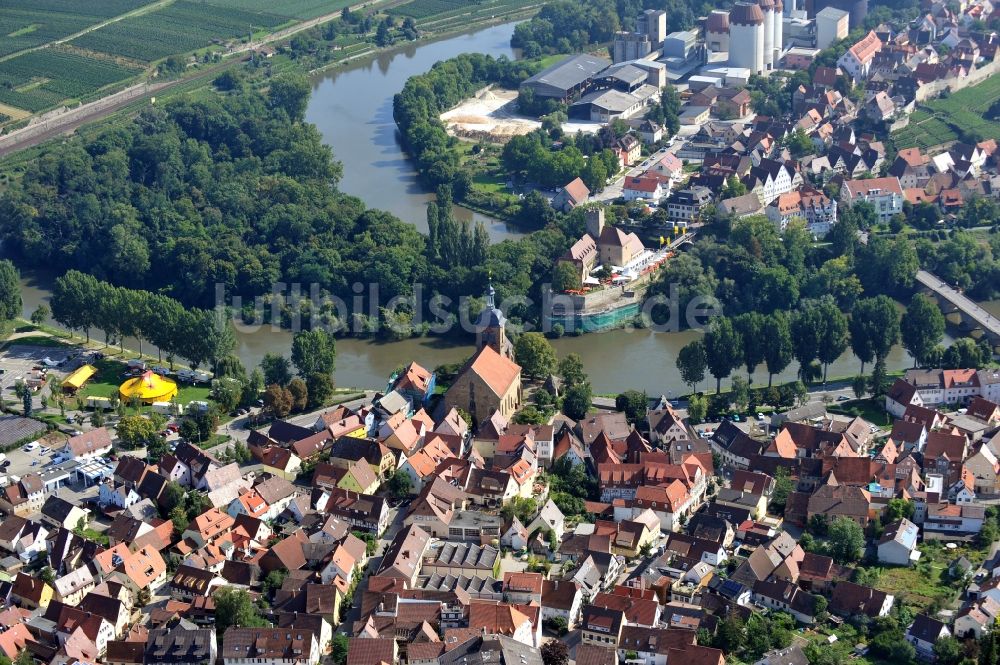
<point>778,346</point>
<point>750,327</point>
<point>948,651</point>
<point>314,351</point>
<point>291,93</point>
<point>691,363</point>
<point>24,657</point>
<point>565,277</point>
<point>558,625</point>
<point>577,401</point>
<point>921,328</point>
<point>278,401</point>
<point>10,291</point>
<point>859,385</point>
<point>235,608</point>
<point>571,370</point>
<point>399,484</point>
<point>340,642</point>
<point>783,486</point>
<point>273,581</point>
<point>228,393</point>
<point>806,328</point>
<point>173,495</point>
<point>740,393</point>
<point>40,315</point>
<point>320,385</point>
<point>697,408</point>
<point>723,346</point>
<point>555,652</point>
<point>874,328</point>
<point>897,509</point>
<point>634,404</point>
<point>135,431</point>
<point>833,336</point>
<point>300,394</point>
<point>846,540</point>
<point>276,369</point>
<point>534,354</point>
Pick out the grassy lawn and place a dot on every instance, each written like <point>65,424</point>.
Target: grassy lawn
<point>929,580</point>
<point>491,183</point>
<point>870,409</point>
<point>109,378</point>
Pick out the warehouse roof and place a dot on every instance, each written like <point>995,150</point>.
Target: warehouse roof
<point>571,72</point>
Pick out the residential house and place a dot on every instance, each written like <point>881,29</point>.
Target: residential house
<point>850,599</point>
<point>61,513</point>
<point>573,194</point>
<point>856,61</point>
<point>404,555</point>
<point>561,598</point>
<point>898,544</point>
<point>95,443</point>
<point>924,633</point>
<point>269,646</point>
<point>883,193</point>
<point>180,645</point>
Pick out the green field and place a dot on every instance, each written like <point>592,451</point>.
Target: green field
<point>459,11</point>
<point>939,121</point>
<point>424,8</point>
<point>303,9</point>
<point>178,28</point>
<point>29,23</point>
<point>109,378</point>
<point>42,79</point>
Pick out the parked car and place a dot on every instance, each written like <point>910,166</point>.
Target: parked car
<point>28,447</point>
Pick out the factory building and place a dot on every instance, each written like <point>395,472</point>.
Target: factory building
<point>566,80</point>
<point>653,24</point>
<point>631,46</point>
<point>858,9</point>
<point>717,31</point>
<point>746,37</point>
<point>767,9</point>
<point>778,18</point>
<point>831,26</point>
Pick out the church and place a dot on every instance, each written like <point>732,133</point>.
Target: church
<point>491,380</point>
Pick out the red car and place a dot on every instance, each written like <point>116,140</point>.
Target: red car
<point>173,427</point>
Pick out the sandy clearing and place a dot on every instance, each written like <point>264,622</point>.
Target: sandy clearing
<point>490,115</point>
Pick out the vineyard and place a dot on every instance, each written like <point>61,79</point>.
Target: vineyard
<point>303,9</point>
<point>29,23</point>
<point>941,121</point>
<point>178,28</point>
<point>42,79</point>
<point>423,8</point>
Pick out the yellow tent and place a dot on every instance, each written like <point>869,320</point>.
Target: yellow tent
<point>149,387</point>
<point>75,381</point>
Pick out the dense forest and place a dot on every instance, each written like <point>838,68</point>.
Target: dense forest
<point>236,190</point>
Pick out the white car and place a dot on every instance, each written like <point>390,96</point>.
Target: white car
<point>28,447</point>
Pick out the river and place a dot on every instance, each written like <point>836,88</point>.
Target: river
<point>352,106</point>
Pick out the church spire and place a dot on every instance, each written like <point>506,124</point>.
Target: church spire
<point>490,293</point>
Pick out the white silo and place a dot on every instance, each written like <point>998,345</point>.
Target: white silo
<point>746,37</point>
<point>767,6</point>
<point>779,22</point>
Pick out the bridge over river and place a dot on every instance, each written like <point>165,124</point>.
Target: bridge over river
<point>973,317</point>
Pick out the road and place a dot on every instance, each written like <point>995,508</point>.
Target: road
<point>614,190</point>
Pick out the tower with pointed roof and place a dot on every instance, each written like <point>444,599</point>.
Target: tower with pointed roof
<point>491,328</point>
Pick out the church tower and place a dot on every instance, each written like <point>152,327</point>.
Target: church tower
<point>491,327</point>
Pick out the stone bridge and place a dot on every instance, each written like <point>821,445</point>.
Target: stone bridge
<point>960,310</point>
